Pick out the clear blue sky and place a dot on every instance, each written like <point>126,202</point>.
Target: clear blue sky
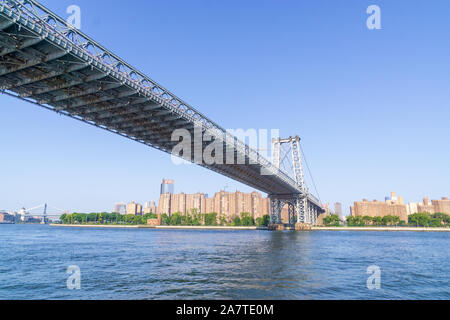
<point>372,107</point>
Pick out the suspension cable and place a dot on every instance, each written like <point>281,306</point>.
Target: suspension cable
<point>310,174</point>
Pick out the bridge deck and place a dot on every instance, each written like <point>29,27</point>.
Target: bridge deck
<point>46,63</point>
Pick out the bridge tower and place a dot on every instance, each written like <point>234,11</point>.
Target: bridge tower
<point>44,216</point>
<point>286,155</point>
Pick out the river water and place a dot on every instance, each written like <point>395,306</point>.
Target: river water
<point>193,264</point>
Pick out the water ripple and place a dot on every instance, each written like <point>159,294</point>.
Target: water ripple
<point>193,264</point>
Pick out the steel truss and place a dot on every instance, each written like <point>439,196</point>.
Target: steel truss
<point>300,208</point>
<point>47,62</point>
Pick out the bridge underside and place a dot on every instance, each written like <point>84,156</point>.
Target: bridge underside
<point>300,210</point>
<point>57,72</point>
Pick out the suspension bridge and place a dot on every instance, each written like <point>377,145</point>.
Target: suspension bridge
<point>39,212</point>
<point>47,62</point>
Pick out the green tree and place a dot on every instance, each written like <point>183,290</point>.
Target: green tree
<point>92,217</point>
<point>197,219</point>
<point>444,218</point>
<point>175,219</point>
<point>396,220</point>
<point>388,220</point>
<point>129,218</point>
<point>165,220</point>
<point>150,216</point>
<point>332,221</point>
<point>189,219</point>
<point>377,221</point>
<point>266,220</point>
<point>118,218</point>
<point>247,220</point>
<point>435,223</point>
<point>419,219</point>
<point>263,221</point>
<point>211,219</point>
<point>137,220</point>
<point>223,220</point>
<point>355,221</point>
<point>367,221</point>
<point>63,218</point>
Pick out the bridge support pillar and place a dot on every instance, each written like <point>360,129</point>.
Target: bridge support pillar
<point>277,227</point>
<point>303,226</point>
<point>299,213</point>
<point>275,210</point>
<point>301,209</point>
<point>302,213</point>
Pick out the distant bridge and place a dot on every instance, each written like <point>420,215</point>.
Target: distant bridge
<point>43,211</point>
<point>32,213</point>
<point>49,63</point>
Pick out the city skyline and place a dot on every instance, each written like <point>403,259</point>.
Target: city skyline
<point>231,204</point>
<point>361,143</point>
<point>197,201</point>
<point>337,208</point>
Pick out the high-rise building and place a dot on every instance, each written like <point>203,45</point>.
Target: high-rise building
<point>256,204</point>
<point>431,207</point>
<point>150,207</point>
<point>134,208</point>
<point>164,206</point>
<point>441,206</point>
<point>324,214</point>
<point>178,203</point>
<point>265,207</point>
<point>195,201</point>
<point>338,209</point>
<point>167,186</point>
<point>222,204</point>
<point>412,208</point>
<point>225,204</point>
<point>393,207</point>
<point>209,205</point>
<point>425,206</point>
<point>120,208</point>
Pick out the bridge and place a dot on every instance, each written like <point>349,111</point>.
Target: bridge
<point>47,62</point>
<point>39,212</point>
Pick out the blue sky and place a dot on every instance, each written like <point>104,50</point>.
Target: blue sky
<point>372,106</point>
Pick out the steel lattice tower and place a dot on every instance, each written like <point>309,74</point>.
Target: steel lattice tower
<point>299,211</point>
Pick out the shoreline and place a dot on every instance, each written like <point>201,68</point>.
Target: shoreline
<point>210,228</point>
<point>359,229</point>
<point>156,227</point>
<point>389,229</point>
<point>109,226</point>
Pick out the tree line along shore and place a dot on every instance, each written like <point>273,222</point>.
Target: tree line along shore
<point>177,219</point>
<point>436,220</point>
<point>424,219</point>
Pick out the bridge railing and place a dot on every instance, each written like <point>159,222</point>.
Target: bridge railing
<point>26,11</point>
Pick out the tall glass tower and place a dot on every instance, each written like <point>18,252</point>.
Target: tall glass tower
<point>167,186</point>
